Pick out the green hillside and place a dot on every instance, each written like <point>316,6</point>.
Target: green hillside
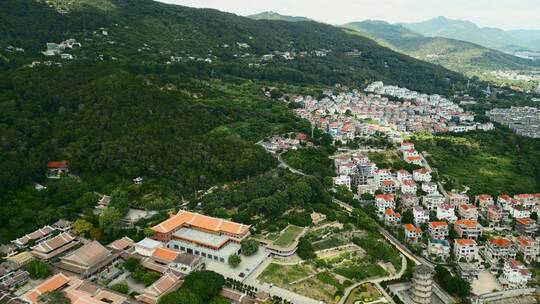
<point>169,93</point>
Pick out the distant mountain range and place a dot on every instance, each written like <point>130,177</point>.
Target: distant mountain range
<point>507,41</point>
<point>275,16</point>
<point>458,55</point>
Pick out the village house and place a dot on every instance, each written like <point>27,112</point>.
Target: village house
<point>88,260</point>
<point>456,199</point>
<point>422,175</point>
<point>504,200</point>
<point>57,168</point>
<point>438,229</point>
<point>166,284</point>
<point>76,290</point>
<point>439,248</point>
<point>412,233</point>
<point>343,180</point>
<point>420,215</point>
<point>51,248</point>
<point>429,187</point>
<point>526,226</point>
<point>381,175</point>
<point>483,201</point>
<point>209,237</point>
<point>433,200</point>
<point>415,160</point>
<point>495,216</point>
<point>465,249</point>
<point>403,175</point>
<point>527,200</point>
<point>529,248</point>
<point>515,275</point>
<point>391,217</point>
<point>389,186</point>
<point>410,153</point>
<point>468,212</point>
<point>167,259</point>
<point>469,229</point>
<point>409,200</point>
<point>384,201</point>
<point>517,211</point>
<point>446,212</point>
<point>408,186</point>
<point>407,146</point>
<point>497,250</point>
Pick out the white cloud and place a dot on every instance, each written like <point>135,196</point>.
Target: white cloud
<point>507,14</point>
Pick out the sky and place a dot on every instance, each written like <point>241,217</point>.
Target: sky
<point>505,14</point>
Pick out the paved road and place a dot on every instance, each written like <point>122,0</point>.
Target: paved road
<point>283,164</point>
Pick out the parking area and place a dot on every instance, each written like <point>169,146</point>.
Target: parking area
<point>247,265</point>
<point>485,283</point>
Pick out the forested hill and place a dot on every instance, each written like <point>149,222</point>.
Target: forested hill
<point>169,93</point>
<point>150,33</point>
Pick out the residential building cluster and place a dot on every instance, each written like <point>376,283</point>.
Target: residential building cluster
<point>525,121</point>
<point>449,225</point>
<point>351,114</point>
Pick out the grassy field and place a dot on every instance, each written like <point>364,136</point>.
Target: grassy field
<point>321,286</point>
<point>355,266</point>
<point>332,241</point>
<point>282,275</point>
<point>288,236</point>
<point>365,292</point>
<point>487,162</point>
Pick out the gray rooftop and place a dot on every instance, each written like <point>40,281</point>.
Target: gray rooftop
<point>201,236</point>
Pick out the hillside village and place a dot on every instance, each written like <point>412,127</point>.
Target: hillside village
<point>347,115</point>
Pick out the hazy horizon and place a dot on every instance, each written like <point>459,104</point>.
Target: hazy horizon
<point>506,14</point>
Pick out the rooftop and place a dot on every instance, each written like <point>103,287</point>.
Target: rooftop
<point>88,255</point>
<point>200,221</point>
<point>149,243</point>
<point>499,242</point>
<point>201,237</point>
<point>465,242</point>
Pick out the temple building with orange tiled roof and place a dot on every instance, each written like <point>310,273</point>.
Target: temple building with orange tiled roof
<point>202,235</point>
